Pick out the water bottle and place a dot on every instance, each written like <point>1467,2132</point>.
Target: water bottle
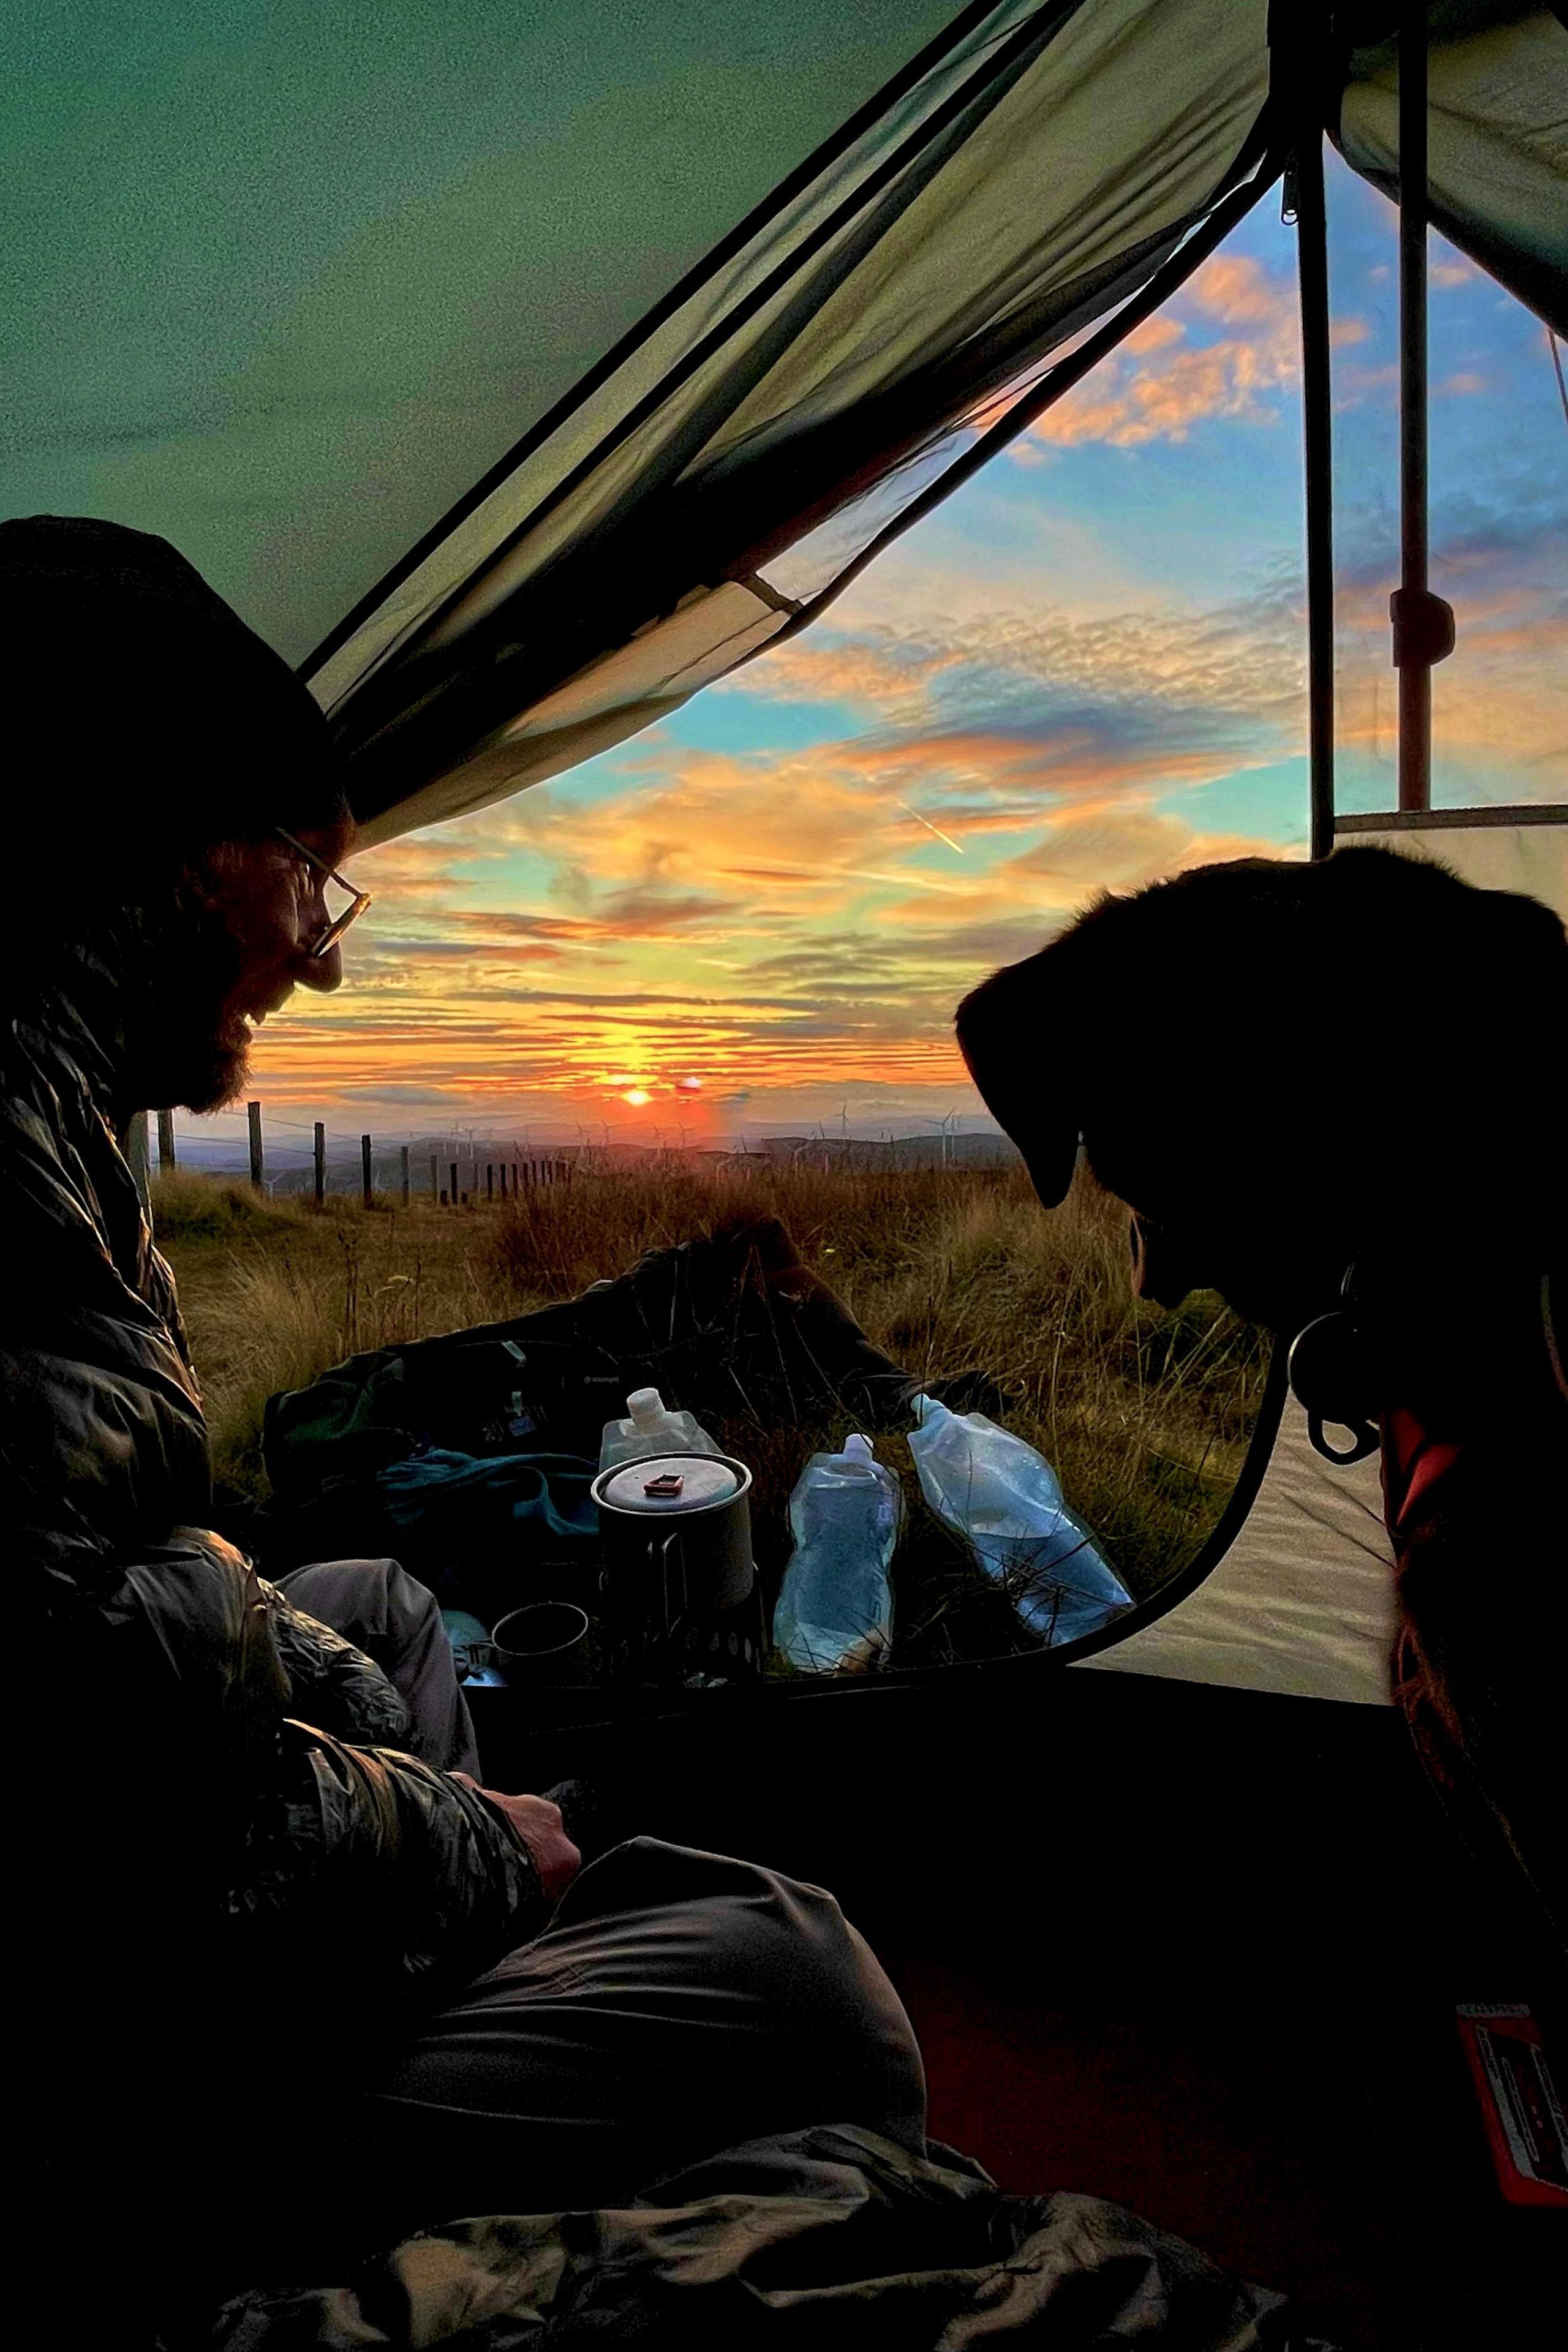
<point>834,1613</point>
<point>1002,1499</point>
<point>651,1428</point>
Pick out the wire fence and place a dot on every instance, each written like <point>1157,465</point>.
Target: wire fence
<point>456,1174</point>
<point>467,1171</point>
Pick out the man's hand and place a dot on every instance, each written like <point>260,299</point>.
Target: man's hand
<point>538,1824</point>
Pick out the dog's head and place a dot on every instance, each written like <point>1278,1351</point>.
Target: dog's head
<point>1278,1066</point>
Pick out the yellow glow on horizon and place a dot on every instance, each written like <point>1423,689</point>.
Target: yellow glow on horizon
<point>637,1097</point>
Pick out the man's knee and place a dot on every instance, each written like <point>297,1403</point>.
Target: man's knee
<point>796,1983</point>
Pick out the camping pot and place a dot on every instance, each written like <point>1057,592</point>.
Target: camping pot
<point>680,1584</point>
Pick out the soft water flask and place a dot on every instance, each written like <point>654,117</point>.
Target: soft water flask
<point>835,1612</point>
<point>1002,1499</point>
<point>651,1428</point>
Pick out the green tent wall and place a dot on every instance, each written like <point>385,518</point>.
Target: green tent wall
<point>538,367</point>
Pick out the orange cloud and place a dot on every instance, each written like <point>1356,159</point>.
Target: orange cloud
<point>1159,382</point>
<point>772,923</point>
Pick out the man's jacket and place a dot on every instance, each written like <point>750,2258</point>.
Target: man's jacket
<point>192,1721</point>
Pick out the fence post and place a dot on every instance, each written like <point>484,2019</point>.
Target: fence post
<point>454,1184</point>
<point>489,1180</point>
<point>320,1156</point>
<point>365,1161</point>
<point>257,1162</point>
<point>137,1155</point>
<point>435,1183</point>
<point>165,1143</point>
<point>403,1172</point>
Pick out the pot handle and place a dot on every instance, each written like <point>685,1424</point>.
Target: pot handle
<point>666,1556</point>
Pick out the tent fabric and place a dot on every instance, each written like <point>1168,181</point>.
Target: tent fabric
<point>1302,1604</point>
<point>284,286</point>
<point>1041,171</point>
<point>1497,173</point>
<point>1493,849</point>
<point>280,283</point>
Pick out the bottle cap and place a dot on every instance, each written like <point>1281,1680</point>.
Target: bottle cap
<point>645,1404</point>
<point>858,1448</point>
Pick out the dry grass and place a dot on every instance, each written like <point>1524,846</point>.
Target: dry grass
<point>273,1292</point>
<point>1144,1415</point>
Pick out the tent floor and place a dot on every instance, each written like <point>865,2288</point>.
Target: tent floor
<point>1336,2154</point>
<point>1195,1950</point>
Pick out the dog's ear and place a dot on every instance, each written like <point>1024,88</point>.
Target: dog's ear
<point>1024,1085</point>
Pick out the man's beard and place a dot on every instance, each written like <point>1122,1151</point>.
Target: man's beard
<point>186,1046</point>
<point>212,1070</point>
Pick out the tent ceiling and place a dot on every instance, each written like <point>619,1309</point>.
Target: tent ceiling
<point>282,282</point>
<point>288,284</point>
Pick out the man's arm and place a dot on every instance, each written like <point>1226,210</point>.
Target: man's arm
<point>104,1470</point>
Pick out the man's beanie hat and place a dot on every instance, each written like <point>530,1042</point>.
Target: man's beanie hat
<point>143,721</point>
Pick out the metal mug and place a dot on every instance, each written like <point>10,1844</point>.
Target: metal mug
<point>680,1584</point>
<point>544,1643</point>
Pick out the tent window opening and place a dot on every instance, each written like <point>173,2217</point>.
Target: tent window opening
<point>719,968</point>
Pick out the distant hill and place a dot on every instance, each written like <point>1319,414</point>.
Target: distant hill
<point>290,1169</point>
<point>896,1151</point>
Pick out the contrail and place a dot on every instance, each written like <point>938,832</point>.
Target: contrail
<point>932,828</point>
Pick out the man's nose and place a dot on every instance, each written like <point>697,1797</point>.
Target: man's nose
<point>324,973</point>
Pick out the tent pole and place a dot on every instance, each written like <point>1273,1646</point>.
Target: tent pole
<point>1422,623</point>
<point>1317,435</point>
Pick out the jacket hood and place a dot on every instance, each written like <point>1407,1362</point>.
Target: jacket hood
<point>145,720</point>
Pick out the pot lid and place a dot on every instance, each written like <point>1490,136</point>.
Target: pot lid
<point>669,1484</point>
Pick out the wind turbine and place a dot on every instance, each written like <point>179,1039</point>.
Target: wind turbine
<point>946,1125</point>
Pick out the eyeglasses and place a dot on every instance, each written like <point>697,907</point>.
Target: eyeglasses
<point>337,924</point>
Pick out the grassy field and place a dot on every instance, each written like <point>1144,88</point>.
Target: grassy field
<point>1144,1415</point>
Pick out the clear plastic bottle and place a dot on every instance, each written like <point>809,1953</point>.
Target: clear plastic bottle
<point>650,1428</point>
<point>835,1612</point>
<point>993,1489</point>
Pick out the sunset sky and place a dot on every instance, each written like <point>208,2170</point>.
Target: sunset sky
<point>1085,670</point>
